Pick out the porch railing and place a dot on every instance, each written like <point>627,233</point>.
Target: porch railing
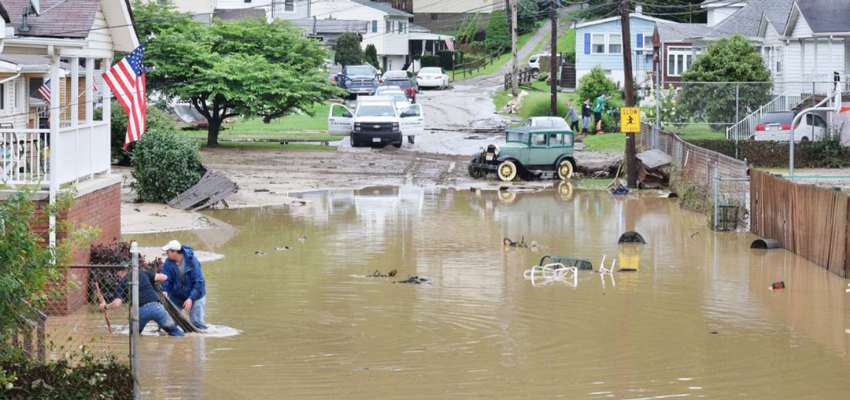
<point>82,151</point>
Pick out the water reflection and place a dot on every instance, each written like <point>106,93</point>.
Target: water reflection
<point>311,330</point>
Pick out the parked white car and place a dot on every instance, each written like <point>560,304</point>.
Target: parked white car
<point>534,63</point>
<point>776,126</point>
<point>399,97</point>
<point>376,121</point>
<point>432,77</point>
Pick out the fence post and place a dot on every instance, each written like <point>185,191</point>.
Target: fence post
<point>654,141</point>
<point>716,193</point>
<point>134,317</point>
<point>737,118</point>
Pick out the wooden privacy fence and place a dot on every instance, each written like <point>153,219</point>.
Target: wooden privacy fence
<point>809,221</point>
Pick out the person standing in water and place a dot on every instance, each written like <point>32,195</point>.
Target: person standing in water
<point>185,286</point>
<point>150,308</point>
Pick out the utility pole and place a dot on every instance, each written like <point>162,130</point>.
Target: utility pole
<point>515,66</point>
<point>626,37</point>
<point>553,63</point>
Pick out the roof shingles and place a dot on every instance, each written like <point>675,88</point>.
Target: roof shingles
<point>72,19</point>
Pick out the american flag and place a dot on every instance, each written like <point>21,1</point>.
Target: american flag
<point>127,81</point>
<point>44,90</point>
<point>450,45</point>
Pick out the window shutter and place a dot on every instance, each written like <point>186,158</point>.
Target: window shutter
<point>586,43</point>
<point>640,40</point>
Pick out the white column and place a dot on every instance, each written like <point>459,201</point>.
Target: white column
<point>90,82</point>
<point>75,110</point>
<point>107,102</point>
<point>55,118</point>
<point>817,61</point>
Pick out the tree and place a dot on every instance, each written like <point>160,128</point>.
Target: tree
<point>242,67</point>
<point>527,12</point>
<point>498,37</point>
<point>731,59</point>
<point>347,50</point>
<point>371,56</point>
<point>592,84</point>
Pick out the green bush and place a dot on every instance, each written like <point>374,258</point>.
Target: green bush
<point>498,37</point>
<point>165,165</point>
<point>526,16</point>
<point>590,85</point>
<point>430,61</point>
<point>370,55</point>
<point>75,376</point>
<point>156,119</point>
<point>445,59</point>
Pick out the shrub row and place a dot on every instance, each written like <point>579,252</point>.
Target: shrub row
<point>827,153</point>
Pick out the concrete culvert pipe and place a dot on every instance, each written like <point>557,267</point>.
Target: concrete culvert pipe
<point>631,237</point>
<point>765,244</point>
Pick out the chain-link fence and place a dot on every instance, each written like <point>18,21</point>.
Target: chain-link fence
<point>732,110</point>
<point>74,318</point>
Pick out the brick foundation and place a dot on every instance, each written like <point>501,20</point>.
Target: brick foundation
<point>100,209</point>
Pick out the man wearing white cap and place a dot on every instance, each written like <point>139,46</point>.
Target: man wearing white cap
<point>185,286</point>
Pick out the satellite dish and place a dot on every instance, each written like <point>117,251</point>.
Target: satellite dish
<point>35,6</point>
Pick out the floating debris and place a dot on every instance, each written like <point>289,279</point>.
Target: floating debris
<point>303,239</point>
<point>260,253</point>
<point>284,248</point>
<point>777,285</point>
<point>765,244</point>
<point>519,245</point>
<point>415,280</point>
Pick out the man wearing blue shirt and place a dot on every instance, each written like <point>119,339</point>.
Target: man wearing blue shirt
<point>185,286</point>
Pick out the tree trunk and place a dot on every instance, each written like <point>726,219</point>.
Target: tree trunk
<point>212,131</point>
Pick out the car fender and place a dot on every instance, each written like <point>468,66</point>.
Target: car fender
<point>519,165</point>
<point>566,157</point>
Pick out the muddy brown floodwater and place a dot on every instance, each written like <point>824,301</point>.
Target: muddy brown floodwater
<point>697,320</point>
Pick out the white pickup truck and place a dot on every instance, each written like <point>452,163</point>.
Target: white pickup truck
<point>376,121</point>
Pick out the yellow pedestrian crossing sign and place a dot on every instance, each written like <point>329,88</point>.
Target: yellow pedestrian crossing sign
<point>630,119</point>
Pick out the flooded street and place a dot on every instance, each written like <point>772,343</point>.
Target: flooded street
<point>696,320</point>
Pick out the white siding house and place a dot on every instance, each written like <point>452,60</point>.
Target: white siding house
<point>280,9</point>
<point>388,28</point>
<point>720,10</point>
<point>599,43</point>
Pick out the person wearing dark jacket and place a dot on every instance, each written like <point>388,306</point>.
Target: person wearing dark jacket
<point>185,286</point>
<point>150,308</point>
<point>585,116</point>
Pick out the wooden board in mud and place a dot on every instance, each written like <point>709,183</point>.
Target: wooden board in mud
<point>213,187</point>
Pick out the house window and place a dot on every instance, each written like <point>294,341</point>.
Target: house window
<point>597,43</point>
<point>247,1</point>
<point>2,96</point>
<point>289,6</point>
<point>389,26</point>
<point>679,60</point>
<point>615,44</point>
<point>434,16</point>
<point>400,27</point>
<point>374,26</point>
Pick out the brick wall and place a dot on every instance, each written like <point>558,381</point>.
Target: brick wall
<point>100,209</point>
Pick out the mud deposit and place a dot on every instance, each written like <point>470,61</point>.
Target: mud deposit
<point>696,320</point>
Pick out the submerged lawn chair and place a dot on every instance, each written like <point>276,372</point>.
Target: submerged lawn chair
<point>549,273</point>
<point>580,263</point>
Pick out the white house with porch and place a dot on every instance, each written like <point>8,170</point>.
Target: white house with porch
<point>59,144</point>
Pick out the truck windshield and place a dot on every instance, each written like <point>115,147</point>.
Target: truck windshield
<point>521,137</point>
<point>358,71</point>
<point>376,111</point>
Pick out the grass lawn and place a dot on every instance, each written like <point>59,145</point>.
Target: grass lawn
<point>696,131</point>
<point>291,127</point>
<point>502,59</point>
<point>611,142</point>
<point>566,43</point>
<point>267,145</point>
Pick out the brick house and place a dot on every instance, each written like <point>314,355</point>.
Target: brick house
<point>58,146</point>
